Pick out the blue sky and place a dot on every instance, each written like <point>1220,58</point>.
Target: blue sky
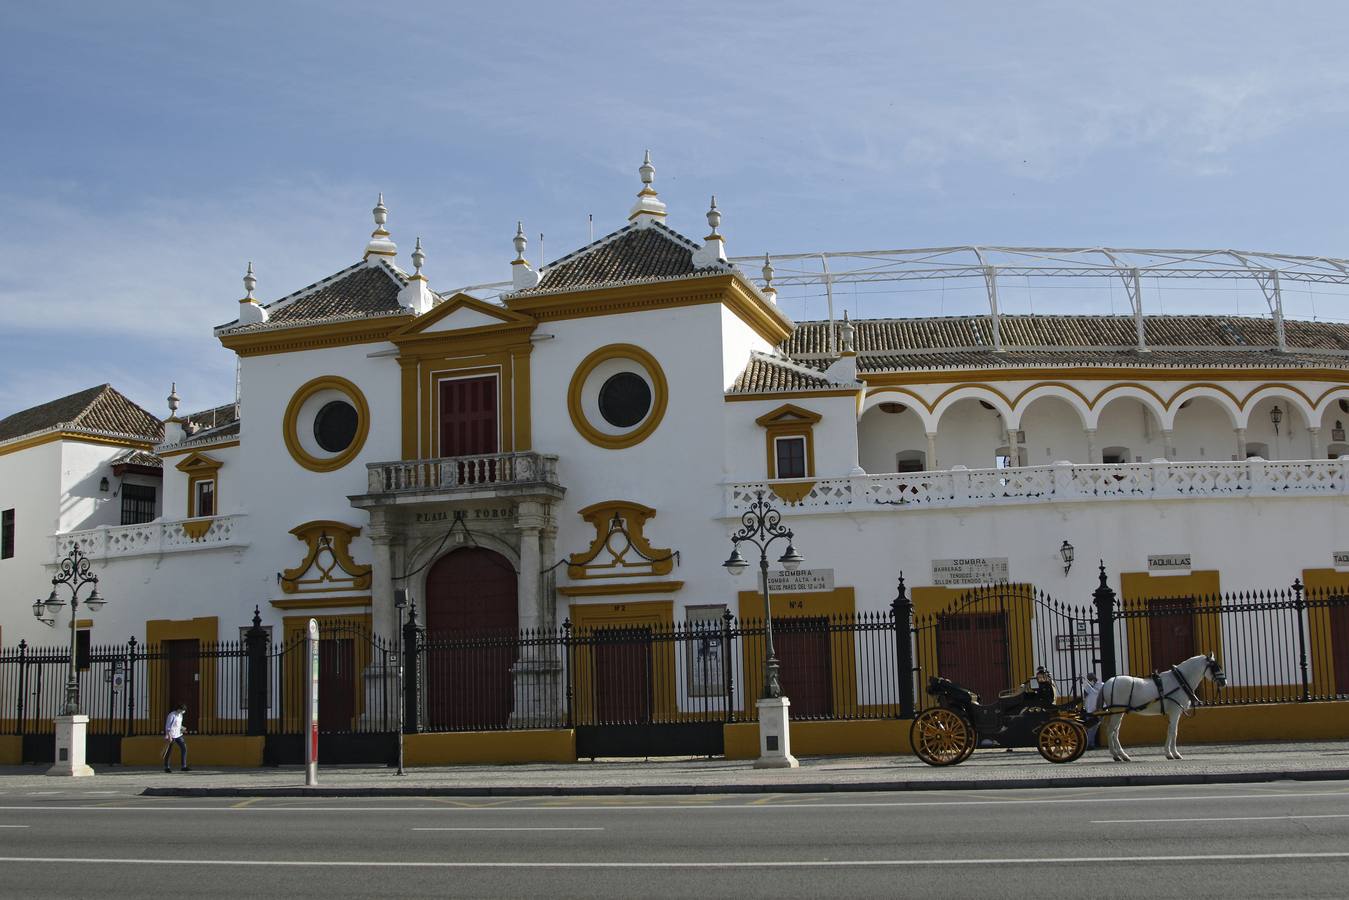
<point>151,149</point>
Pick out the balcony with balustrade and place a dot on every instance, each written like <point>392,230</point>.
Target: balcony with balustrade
<point>154,538</point>
<point>494,476</point>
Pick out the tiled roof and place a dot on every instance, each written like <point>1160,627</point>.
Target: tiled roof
<point>764,374</point>
<point>137,458</point>
<point>629,254</point>
<point>214,417</point>
<point>97,409</point>
<point>356,291</point>
<point>967,342</point>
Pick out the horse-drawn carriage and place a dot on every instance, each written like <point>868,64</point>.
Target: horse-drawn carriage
<point>949,732</point>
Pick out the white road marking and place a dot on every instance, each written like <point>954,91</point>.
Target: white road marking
<point>43,793</point>
<point>523,828</point>
<point>1221,819</point>
<point>755,864</point>
<point>618,806</point>
<point>13,826</point>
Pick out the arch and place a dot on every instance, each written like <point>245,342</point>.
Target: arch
<point>910,399</point>
<point>1292,396</point>
<point>1057,389</point>
<point>1328,403</point>
<point>470,593</point>
<point>1146,396</point>
<point>973,392</point>
<point>1223,397</point>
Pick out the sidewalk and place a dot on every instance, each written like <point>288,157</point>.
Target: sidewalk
<point>986,770</point>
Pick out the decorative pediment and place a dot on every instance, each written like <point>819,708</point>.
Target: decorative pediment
<point>198,464</point>
<point>788,414</point>
<point>327,566</point>
<point>620,548</point>
<point>462,315</point>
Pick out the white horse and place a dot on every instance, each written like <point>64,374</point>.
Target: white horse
<point>1125,694</point>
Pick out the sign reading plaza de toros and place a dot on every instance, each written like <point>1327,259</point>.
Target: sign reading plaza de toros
<point>970,570</point>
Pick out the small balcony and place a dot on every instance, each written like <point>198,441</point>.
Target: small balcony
<point>154,538</point>
<point>493,476</point>
<point>1058,483</point>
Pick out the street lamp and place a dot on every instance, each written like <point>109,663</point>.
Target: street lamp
<point>1066,551</point>
<point>400,602</point>
<point>73,572</point>
<point>761,526</point>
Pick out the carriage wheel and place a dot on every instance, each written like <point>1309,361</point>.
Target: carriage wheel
<point>942,737</point>
<point>1062,740</point>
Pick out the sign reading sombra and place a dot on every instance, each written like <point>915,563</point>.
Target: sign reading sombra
<point>969,570</point>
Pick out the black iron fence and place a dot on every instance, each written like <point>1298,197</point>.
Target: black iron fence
<point>1276,646</point>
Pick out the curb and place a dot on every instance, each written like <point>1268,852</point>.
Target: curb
<point>648,790</point>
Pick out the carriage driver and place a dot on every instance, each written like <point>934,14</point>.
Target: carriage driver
<point>1039,690</point>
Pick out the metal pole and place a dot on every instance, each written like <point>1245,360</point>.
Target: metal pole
<point>311,737</point>
<point>402,698</point>
<point>771,687</point>
<point>72,683</point>
<point>1299,605</point>
<point>902,610</point>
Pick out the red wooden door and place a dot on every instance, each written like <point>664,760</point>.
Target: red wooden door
<point>468,416</point>
<point>472,625</point>
<point>184,658</point>
<point>1171,631</point>
<point>805,668</point>
<point>972,652</point>
<point>622,676</point>
<point>337,684</point>
<point>1339,642</point>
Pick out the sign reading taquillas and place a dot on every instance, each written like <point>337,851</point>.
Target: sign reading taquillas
<point>1169,562</point>
<point>970,570</point>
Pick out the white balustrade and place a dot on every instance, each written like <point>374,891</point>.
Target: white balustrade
<point>1058,483</point>
<point>153,538</point>
<point>450,473</point>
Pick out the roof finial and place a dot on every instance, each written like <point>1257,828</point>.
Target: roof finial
<point>713,250</point>
<point>250,311</point>
<point>174,400</point>
<point>174,432</point>
<point>846,337</point>
<point>381,244</point>
<point>648,207</point>
<point>418,259</point>
<point>522,276</point>
<point>768,290</point>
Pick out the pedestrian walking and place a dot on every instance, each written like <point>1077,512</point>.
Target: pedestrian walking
<point>1091,702</point>
<point>174,734</point>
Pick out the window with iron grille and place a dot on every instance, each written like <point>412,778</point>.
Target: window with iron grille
<point>138,503</point>
<point>791,457</point>
<point>6,534</point>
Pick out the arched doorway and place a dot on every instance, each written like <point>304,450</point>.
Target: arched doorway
<point>472,634</point>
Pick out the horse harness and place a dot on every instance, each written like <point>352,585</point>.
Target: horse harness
<point>1162,695</point>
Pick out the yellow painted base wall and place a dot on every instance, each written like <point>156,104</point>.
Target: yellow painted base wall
<point>202,750</point>
<point>1221,724</point>
<point>11,750</point>
<point>878,737</point>
<point>489,747</point>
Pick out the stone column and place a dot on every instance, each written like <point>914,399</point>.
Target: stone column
<point>534,675</point>
<point>1241,444</point>
<point>1315,434</point>
<point>1093,454</point>
<point>1013,449</point>
<point>1168,446</point>
<point>932,451</point>
<point>528,522</point>
<point>383,616</point>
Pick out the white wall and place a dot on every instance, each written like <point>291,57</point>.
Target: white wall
<point>29,484</point>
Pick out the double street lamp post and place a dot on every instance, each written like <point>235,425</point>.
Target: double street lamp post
<point>73,573</point>
<point>761,525</point>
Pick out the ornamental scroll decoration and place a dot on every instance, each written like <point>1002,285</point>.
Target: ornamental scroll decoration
<point>327,566</point>
<point>620,549</point>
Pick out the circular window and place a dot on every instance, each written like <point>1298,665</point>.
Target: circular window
<point>625,399</point>
<point>335,425</point>
<point>617,396</point>
<point>326,423</point>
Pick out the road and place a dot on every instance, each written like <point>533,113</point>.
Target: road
<point>1267,840</point>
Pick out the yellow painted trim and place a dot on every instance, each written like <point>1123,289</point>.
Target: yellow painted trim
<point>634,517</point>
<point>339,535</point>
<point>408,400</point>
<point>1230,724</point>
<point>793,395</point>
<point>223,445</point>
<point>205,629</point>
<point>312,337</point>
<point>1322,583</point>
<point>418,328</point>
<point>841,601</point>
<point>453,369</point>
<point>765,319</point>
<point>199,467</point>
<point>789,421</point>
<point>11,750</point>
<point>76,437</point>
<point>323,603</point>
<point>229,751</point>
<point>792,491</point>
<point>290,423</point>
<point>636,614</point>
<point>873,737</point>
<point>197,528</point>
<point>489,747</point>
<point>660,392</point>
<point>619,590</point>
<point>1095,373</point>
<point>1139,586</point>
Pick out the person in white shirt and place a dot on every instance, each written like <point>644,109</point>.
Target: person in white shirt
<point>173,734</point>
<point>1091,701</point>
